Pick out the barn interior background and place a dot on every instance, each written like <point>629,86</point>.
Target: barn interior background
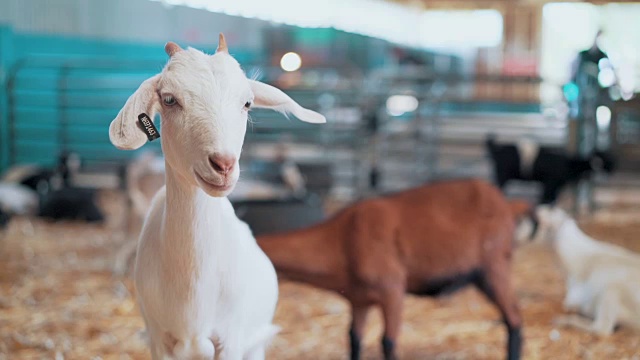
<point>411,91</point>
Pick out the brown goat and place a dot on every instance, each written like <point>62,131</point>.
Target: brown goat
<point>425,241</point>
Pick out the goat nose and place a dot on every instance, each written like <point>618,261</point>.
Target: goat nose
<point>222,164</point>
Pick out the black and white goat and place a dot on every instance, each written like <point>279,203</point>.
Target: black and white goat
<point>59,198</point>
<point>16,199</point>
<point>554,168</point>
<point>45,179</point>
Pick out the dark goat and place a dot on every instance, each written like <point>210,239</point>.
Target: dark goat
<point>59,199</point>
<point>70,204</point>
<point>554,168</point>
<point>45,180</point>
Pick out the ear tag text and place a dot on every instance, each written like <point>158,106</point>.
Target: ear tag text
<point>146,125</point>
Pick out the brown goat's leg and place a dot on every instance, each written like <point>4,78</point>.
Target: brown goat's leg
<point>392,312</point>
<point>358,320</point>
<point>496,285</point>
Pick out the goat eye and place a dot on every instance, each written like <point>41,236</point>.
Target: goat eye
<point>247,105</point>
<point>169,100</point>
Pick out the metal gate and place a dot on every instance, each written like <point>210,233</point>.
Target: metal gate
<point>60,104</point>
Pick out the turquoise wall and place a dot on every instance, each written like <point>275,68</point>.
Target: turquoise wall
<point>59,90</point>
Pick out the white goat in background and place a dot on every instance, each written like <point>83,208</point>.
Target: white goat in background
<point>145,176</point>
<point>204,287</point>
<point>603,280</point>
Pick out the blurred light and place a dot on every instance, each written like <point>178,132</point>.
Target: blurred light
<point>327,100</point>
<point>311,79</point>
<point>400,104</point>
<point>289,79</point>
<point>550,113</point>
<point>567,28</point>
<point>603,117</point>
<point>571,92</point>
<point>604,63</point>
<point>290,61</point>
<point>606,77</point>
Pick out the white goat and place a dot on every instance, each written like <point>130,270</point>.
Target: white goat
<point>603,280</point>
<point>204,287</point>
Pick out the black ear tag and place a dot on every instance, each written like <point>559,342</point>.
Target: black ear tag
<point>145,124</point>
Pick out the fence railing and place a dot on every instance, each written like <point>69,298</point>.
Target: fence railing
<point>58,104</point>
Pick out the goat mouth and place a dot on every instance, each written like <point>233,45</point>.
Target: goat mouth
<point>208,184</point>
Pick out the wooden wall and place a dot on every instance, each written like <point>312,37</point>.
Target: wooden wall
<point>519,54</point>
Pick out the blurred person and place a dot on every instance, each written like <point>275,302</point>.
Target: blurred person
<point>588,60</point>
<point>592,76</point>
<point>592,73</point>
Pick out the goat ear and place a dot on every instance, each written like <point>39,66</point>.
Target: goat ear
<point>269,97</point>
<point>124,132</point>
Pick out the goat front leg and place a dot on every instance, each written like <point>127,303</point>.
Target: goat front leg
<point>574,297</point>
<point>496,285</point>
<point>358,320</point>
<point>232,350</point>
<point>392,303</point>
<point>604,320</point>
<point>606,314</point>
<point>576,321</point>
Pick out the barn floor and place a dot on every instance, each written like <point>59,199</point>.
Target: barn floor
<point>59,299</point>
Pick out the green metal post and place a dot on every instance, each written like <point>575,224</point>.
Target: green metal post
<point>6,62</point>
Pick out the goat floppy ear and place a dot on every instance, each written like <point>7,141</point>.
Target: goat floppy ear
<point>124,132</point>
<point>269,97</point>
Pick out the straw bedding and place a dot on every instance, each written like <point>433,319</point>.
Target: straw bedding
<point>59,300</point>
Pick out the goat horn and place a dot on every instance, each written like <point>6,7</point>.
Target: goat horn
<point>171,48</point>
<point>222,44</point>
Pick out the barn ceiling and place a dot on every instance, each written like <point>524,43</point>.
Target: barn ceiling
<point>474,4</point>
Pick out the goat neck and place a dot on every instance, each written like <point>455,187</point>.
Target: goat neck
<point>574,247</point>
<point>192,227</point>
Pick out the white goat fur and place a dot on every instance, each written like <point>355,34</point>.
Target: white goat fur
<point>204,287</point>
<point>17,199</point>
<point>603,280</point>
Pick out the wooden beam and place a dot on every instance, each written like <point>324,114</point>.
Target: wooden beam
<point>490,4</point>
